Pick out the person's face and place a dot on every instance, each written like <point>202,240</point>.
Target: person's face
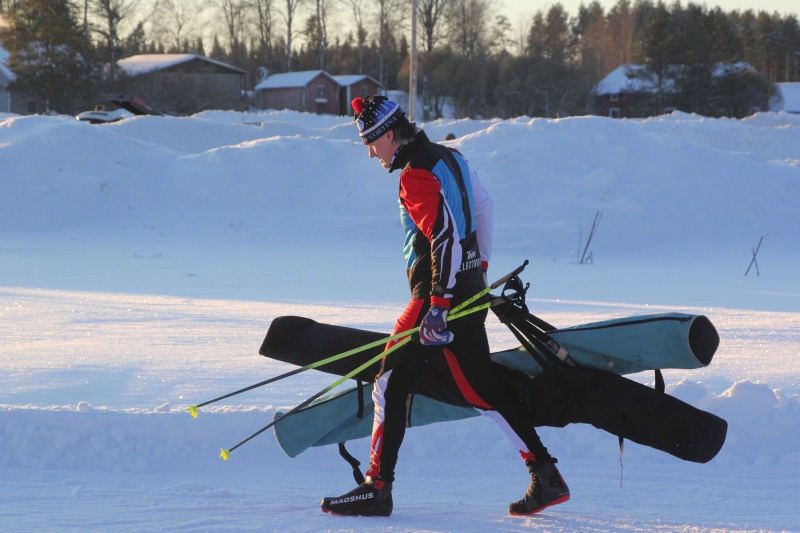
<point>383,148</point>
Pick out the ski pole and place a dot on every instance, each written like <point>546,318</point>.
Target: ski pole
<point>193,408</point>
<point>224,454</point>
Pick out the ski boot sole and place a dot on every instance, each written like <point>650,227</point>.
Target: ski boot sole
<point>562,499</point>
<point>334,513</point>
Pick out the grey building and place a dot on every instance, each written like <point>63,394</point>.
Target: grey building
<point>174,70</point>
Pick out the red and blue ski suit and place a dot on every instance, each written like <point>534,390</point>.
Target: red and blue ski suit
<point>442,221</point>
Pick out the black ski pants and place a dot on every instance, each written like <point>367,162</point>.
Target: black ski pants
<point>469,362</point>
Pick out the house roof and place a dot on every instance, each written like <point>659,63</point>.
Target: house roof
<point>349,79</point>
<point>624,78</point>
<point>790,97</point>
<point>10,76</point>
<point>144,63</point>
<point>291,79</point>
<point>726,69</point>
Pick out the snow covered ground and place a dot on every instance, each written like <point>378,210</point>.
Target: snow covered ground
<point>142,262</point>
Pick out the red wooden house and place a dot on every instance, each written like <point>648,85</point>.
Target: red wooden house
<point>630,91</point>
<point>355,86</point>
<point>310,91</point>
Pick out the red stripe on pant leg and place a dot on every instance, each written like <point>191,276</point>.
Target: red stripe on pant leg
<point>379,417</point>
<point>527,456</point>
<point>463,385</point>
<point>407,320</point>
<point>375,453</point>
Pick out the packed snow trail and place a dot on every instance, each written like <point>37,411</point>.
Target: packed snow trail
<point>82,458</point>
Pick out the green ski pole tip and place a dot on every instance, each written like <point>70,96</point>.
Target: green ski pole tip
<point>224,454</point>
<point>193,410</point>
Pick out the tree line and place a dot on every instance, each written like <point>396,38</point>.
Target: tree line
<point>470,56</point>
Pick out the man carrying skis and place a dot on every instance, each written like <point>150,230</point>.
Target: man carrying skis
<point>440,214</point>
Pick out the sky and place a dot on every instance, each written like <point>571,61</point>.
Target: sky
<point>524,8</point>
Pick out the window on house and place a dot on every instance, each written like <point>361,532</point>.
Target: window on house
<point>364,92</point>
<point>614,97</point>
<point>321,91</point>
<point>614,112</point>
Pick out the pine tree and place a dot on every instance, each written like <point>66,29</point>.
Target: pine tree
<point>216,50</point>
<point>136,42</point>
<point>659,53</point>
<point>50,55</point>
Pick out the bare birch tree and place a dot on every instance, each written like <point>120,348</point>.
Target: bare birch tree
<point>235,19</point>
<point>289,14</point>
<point>521,30</point>
<point>389,15</point>
<point>177,20</point>
<point>357,8</point>
<point>468,21</point>
<point>430,15</point>
<point>110,15</point>
<point>321,28</point>
<point>263,10</point>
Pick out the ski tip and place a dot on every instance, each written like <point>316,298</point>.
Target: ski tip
<point>192,410</point>
<point>224,454</point>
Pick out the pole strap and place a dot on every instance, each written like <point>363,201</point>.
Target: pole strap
<point>354,464</point>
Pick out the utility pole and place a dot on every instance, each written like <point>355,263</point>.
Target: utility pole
<point>412,78</point>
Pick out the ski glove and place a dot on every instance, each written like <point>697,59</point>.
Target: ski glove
<point>432,330</point>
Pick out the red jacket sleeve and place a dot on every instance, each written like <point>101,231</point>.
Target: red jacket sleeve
<point>422,197</point>
<point>420,193</point>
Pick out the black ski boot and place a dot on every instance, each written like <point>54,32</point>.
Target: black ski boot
<point>547,488</point>
<point>371,498</point>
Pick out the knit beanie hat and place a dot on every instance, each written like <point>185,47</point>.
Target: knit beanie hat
<point>375,115</point>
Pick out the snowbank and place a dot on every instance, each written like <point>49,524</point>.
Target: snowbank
<point>764,428</point>
<point>769,136</point>
<point>90,176</point>
<point>663,182</point>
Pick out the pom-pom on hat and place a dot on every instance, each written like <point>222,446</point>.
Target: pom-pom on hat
<point>375,115</point>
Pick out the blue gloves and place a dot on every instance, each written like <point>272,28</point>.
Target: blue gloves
<point>432,330</point>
